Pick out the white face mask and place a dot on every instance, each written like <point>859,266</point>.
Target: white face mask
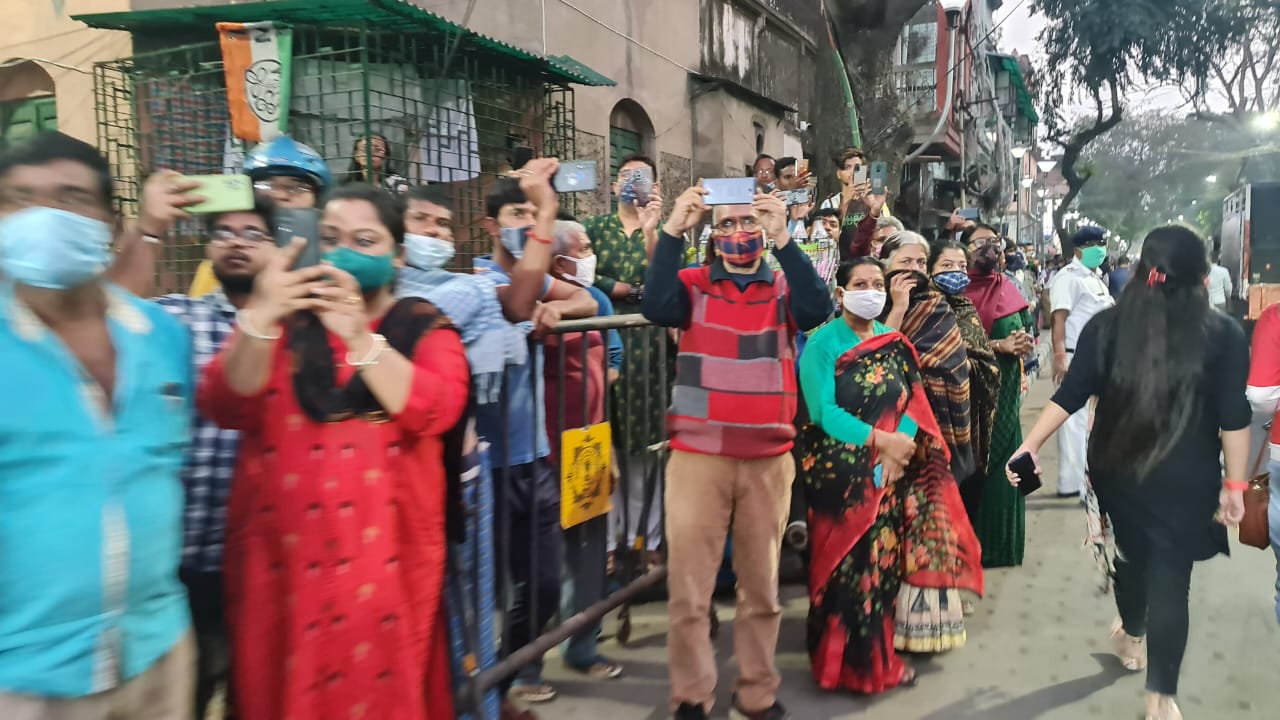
<point>427,253</point>
<point>584,269</point>
<point>866,304</point>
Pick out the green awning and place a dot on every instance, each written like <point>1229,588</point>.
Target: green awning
<point>1026,104</point>
<point>392,15</point>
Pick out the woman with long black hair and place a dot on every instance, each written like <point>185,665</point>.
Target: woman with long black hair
<point>1169,374</point>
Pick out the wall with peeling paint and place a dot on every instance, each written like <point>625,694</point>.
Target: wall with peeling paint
<point>43,31</point>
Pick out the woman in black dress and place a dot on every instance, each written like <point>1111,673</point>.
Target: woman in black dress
<point>1169,374</point>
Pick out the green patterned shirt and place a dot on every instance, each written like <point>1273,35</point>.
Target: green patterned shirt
<point>619,258</point>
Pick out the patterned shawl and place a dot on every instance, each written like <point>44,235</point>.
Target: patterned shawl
<point>984,378</point>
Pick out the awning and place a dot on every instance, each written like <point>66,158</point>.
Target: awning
<point>394,15</point>
<point>1026,104</point>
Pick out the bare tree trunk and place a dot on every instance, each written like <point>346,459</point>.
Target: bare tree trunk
<point>1104,119</point>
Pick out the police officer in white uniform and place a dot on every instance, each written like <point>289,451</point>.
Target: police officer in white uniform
<point>1076,295</point>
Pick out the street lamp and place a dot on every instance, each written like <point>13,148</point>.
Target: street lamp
<point>952,8</point>
<point>1211,179</point>
<point>1047,166</point>
<point>1267,121</point>
<point>1019,152</point>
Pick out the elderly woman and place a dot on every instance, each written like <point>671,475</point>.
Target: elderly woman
<point>884,513</point>
<point>932,620</point>
<point>1003,311</point>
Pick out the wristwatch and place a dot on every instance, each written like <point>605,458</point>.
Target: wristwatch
<point>636,295</point>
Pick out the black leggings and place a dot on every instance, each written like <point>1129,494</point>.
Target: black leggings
<point>1152,584</point>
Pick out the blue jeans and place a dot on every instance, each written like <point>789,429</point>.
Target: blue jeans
<point>1273,523</point>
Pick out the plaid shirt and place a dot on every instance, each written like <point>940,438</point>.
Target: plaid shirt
<point>211,459</point>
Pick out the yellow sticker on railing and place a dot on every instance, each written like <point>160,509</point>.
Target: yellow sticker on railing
<point>585,466</point>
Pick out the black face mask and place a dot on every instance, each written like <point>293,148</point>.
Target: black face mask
<point>921,289</point>
<point>986,259</point>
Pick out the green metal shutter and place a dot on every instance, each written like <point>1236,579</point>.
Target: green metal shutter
<point>23,119</point>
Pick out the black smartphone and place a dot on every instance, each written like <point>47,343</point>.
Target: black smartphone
<point>303,223</point>
<point>1025,468</point>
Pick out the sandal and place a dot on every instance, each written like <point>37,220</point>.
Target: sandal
<point>909,677</point>
<point>1162,707</point>
<point>601,668</point>
<point>1132,651</point>
<point>537,694</point>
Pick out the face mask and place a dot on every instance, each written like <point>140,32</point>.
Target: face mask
<point>865,304</point>
<point>371,271</point>
<point>741,249</point>
<point>986,259</point>
<point>1015,262</point>
<point>49,248</point>
<point>514,239</point>
<point>425,252</point>
<point>1092,257</point>
<point>951,283</point>
<point>584,269</point>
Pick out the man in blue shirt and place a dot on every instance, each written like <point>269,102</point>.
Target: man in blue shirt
<point>93,619</point>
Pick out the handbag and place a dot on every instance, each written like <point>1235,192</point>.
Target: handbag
<point>1254,528</point>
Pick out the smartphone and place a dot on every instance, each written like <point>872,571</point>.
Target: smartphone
<point>1025,468</point>
<point>798,197</point>
<point>575,176</point>
<point>636,187</point>
<point>222,193</point>
<point>802,166</point>
<point>303,223</point>
<point>968,213</point>
<point>520,156</point>
<point>729,191</point>
<point>879,178</point>
<point>860,175</point>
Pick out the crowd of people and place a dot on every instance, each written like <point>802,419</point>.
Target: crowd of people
<point>263,487</point>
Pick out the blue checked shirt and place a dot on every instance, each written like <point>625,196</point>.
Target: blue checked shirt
<point>211,460</point>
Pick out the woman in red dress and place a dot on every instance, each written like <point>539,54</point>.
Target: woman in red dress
<point>336,538</point>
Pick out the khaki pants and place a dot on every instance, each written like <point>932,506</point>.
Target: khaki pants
<point>703,493</point>
<point>166,691</point>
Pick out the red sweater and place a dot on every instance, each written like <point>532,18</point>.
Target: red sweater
<point>735,389</point>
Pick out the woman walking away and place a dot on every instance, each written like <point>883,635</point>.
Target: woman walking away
<point>949,272</point>
<point>1169,374</point>
<point>883,508</point>
<point>336,526</point>
<point>1001,522</point>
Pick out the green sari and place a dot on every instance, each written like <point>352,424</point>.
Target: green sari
<point>1002,521</point>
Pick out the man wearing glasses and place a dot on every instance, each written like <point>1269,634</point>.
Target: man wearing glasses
<point>731,428</point>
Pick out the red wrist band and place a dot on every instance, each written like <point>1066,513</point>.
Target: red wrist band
<point>539,238</point>
<point>1235,485</point>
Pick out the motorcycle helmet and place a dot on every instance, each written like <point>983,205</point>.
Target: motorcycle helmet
<point>286,156</point>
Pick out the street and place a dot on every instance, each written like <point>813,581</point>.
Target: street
<point>1038,646</point>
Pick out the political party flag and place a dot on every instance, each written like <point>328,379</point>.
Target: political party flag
<point>257,59</point>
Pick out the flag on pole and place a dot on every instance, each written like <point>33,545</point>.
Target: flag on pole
<point>257,59</point>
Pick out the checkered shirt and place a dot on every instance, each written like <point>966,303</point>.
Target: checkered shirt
<point>211,459</point>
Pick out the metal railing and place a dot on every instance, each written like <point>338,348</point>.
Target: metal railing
<point>572,364</point>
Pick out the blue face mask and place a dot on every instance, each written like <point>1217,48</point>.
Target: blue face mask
<point>46,247</point>
<point>951,283</point>
<point>514,239</point>
<point>427,253</point>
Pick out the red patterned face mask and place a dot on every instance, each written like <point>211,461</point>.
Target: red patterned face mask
<point>741,249</point>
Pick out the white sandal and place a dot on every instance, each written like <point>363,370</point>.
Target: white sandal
<point>1132,651</point>
<point>1166,708</point>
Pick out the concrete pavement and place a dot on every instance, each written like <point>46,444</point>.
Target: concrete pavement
<point>1038,645</point>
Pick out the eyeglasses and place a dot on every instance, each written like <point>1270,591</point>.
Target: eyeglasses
<point>223,237</point>
<point>985,241</point>
<point>726,226</point>
<point>288,188</point>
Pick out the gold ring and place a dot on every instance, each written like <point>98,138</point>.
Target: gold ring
<point>352,300</point>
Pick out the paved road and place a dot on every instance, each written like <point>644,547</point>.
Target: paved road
<point>1038,647</point>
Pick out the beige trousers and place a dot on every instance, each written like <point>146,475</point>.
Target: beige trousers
<point>703,494</point>
<point>166,691</point>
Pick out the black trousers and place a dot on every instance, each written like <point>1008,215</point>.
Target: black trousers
<point>208,618</point>
<point>528,512</point>
<point>1152,585</point>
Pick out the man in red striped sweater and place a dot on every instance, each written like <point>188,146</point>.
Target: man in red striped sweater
<point>731,425</point>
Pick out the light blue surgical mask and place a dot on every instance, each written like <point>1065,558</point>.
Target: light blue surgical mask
<point>46,247</point>
<point>427,253</point>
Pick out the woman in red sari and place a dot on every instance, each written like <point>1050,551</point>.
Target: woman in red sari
<point>336,540</point>
<point>884,508</point>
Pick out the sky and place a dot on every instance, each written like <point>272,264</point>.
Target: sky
<point>1019,33</point>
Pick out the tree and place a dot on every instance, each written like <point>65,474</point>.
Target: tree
<point>1098,50</point>
<point>1152,168</point>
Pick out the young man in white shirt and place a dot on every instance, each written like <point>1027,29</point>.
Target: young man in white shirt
<point>1220,287</point>
<point>1076,295</point>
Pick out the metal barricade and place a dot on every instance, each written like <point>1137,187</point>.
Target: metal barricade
<point>572,365</point>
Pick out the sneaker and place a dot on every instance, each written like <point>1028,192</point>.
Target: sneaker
<point>690,712</point>
<point>777,712</point>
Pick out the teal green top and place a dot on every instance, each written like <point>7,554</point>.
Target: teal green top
<point>818,380</point>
